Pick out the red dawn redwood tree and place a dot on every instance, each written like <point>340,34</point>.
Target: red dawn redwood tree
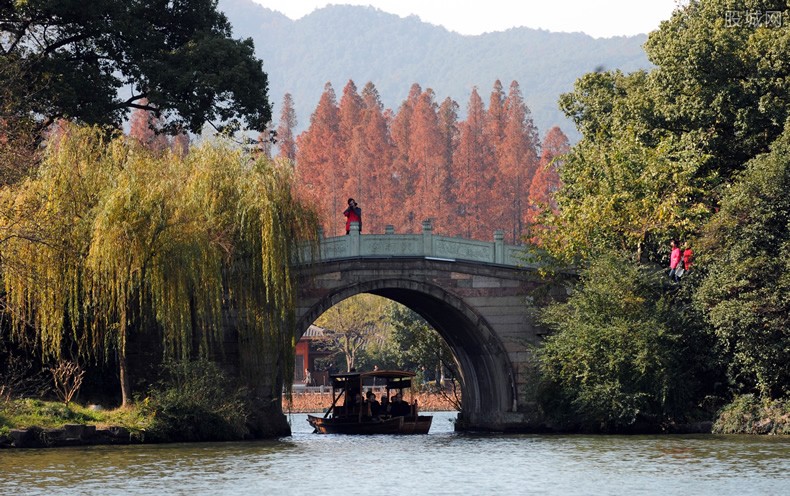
<point>403,172</point>
<point>353,160</point>
<point>180,144</point>
<point>286,141</point>
<point>496,121</point>
<point>350,109</point>
<point>546,181</point>
<point>320,175</point>
<point>518,159</point>
<point>426,158</point>
<point>145,126</point>
<point>473,174</point>
<point>371,148</point>
<point>448,126</point>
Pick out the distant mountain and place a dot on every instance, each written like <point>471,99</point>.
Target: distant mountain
<point>342,42</point>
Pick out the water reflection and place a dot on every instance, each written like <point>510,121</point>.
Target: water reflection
<point>442,462</point>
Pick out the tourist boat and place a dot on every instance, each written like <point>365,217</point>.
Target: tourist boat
<point>355,416</point>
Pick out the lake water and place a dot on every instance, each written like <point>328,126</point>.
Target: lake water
<point>443,462</point>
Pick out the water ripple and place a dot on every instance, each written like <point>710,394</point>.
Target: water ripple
<point>441,463</point>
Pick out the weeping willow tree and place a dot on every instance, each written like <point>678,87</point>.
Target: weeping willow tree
<point>107,240</point>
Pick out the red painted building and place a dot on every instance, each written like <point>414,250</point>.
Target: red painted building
<point>308,350</point>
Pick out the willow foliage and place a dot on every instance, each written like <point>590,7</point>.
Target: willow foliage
<point>107,240</point>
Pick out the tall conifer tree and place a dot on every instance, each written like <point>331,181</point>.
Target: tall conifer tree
<point>285,129</point>
<point>426,158</point>
<point>374,149</point>
<point>403,173</point>
<point>546,181</point>
<point>319,163</point>
<point>352,156</point>
<point>497,119</point>
<point>472,172</point>
<point>448,126</point>
<point>518,159</point>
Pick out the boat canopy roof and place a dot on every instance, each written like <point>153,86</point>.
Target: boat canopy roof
<point>377,373</point>
<point>395,379</point>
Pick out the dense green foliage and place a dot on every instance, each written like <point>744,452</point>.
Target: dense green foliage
<point>367,330</point>
<point>196,401</point>
<point>723,82</point>
<point>748,414</point>
<point>354,325</point>
<point>70,59</point>
<point>692,149</point>
<point>625,186</point>
<point>746,293</point>
<point>659,147</point>
<point>624,351</point>
<point>417,346</point>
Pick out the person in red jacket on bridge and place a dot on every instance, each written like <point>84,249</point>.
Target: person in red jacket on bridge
<point>353,214</point>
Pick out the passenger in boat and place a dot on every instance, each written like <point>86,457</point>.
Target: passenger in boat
<point>374,407</point>
<point>384,408</point>
<point>399,408</point>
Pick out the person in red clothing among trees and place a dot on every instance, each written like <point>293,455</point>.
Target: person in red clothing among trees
<point>674,260</point>
<point>687,256</point>
<point>353,214</point>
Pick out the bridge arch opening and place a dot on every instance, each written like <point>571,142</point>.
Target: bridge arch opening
<point>485,373</point>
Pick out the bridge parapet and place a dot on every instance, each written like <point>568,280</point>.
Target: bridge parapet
<point>425,244</point>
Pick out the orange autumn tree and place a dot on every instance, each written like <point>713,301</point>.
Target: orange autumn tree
<point>353,159</point>
<point>473,173</point>
<point>517,160</point>
<point>496,122</point>
<point>426,156</point>
<point>371,151</point>
<point>496,119</point>
<point>320,171</point>
<point>471,177</point>
<point>546,182</point>
<point>145,126</point>
<point>448,128</point>
<point>403,166</point>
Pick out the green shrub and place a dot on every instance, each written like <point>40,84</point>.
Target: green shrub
<point>197,402</point>
<point>747,414</point>
<point>625,351</point>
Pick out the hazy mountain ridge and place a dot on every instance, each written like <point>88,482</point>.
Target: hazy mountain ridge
<point>341,42</point>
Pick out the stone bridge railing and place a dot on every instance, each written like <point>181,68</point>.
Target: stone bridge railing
<point>425,244</point>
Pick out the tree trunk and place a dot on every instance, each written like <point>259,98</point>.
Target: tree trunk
<point>126,386</point>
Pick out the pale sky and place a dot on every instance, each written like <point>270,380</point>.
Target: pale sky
<point>598,18</point>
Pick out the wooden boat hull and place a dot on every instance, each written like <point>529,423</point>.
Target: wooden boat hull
<point>419,425</point>
<point>351,425</point>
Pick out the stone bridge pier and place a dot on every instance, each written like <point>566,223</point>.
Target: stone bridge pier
<point>480,307</point>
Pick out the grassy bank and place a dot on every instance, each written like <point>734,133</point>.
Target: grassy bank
<point>26,413</point>
<point>750,415</point>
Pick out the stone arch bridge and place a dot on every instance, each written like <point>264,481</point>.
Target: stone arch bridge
<point>474,293</point>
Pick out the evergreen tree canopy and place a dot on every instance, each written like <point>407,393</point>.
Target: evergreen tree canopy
<point>71,58</point>
<point>746,250</point>
<point>623,351</point>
